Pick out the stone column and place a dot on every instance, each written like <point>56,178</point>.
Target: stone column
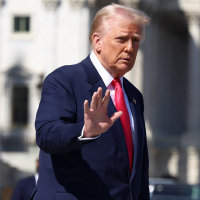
<point>193,116</point>
<point>50,32</point>
<point>4,115</point>
<point>192,135</point>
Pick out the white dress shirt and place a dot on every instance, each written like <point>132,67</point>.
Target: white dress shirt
<point>107,79</point>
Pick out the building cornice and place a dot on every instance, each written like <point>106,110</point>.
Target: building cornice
<point>81,3</point>
<point>51,4</point>
<point>92,3</point>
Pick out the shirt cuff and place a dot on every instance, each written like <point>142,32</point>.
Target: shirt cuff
<point>81,138</point>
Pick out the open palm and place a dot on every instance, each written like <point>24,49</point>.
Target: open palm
<point>96,115</point>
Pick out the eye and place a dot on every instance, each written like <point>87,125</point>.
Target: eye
<point>120,39</point>
<point>136,39</point>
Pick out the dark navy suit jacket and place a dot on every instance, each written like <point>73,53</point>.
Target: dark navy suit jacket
<point>86,170</point>
<point>24,188</point>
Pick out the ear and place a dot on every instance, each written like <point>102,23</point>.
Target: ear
<point>96,42</point>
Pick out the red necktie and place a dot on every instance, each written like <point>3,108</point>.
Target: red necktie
<point>125,119</point>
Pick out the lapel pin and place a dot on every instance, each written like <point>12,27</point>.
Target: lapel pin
<point>134,101</point>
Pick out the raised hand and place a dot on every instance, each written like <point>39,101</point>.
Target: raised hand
<point>96,116</point>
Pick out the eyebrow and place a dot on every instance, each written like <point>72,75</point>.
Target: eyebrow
<point>139,36</point>
<point>136,35</point>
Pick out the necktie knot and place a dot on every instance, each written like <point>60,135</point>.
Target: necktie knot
<point>116,82</point>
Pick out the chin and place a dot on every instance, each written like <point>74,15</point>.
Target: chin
<point>121,70</point>
<point>121,73</point>
<point>125,68</point>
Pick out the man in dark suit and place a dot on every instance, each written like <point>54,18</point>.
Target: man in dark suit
<point>25,186</point>
<point>93,148</point>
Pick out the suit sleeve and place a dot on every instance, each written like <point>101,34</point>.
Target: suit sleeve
<point>144,193</point>
<point>18,193</point>
<point>56,121</point>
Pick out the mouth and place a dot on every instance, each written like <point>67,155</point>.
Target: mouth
<point>125,59</point>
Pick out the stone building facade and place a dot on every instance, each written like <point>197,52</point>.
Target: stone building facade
<point>36,36</point>
<point>170,84</point>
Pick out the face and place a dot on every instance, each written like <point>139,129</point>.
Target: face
<point>117,48</point>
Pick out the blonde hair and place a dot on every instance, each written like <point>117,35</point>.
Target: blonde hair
<point>107,13</point>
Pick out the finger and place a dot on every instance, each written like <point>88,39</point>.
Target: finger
<point>106,98</point>
<point>86,107</point>
<point>116,116</point>
<point>100,93</point>
<point>93,104</point>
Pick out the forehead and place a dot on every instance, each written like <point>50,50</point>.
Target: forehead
<point>124,26</point>
<point>122,23</point>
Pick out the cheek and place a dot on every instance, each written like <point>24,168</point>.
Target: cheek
<point>113,56</point>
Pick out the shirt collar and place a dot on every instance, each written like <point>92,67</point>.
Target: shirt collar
<point>105,75</point>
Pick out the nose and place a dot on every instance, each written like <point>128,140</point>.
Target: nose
<point>129,46</point>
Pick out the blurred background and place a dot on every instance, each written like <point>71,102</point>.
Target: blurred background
<point>37,36</point>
